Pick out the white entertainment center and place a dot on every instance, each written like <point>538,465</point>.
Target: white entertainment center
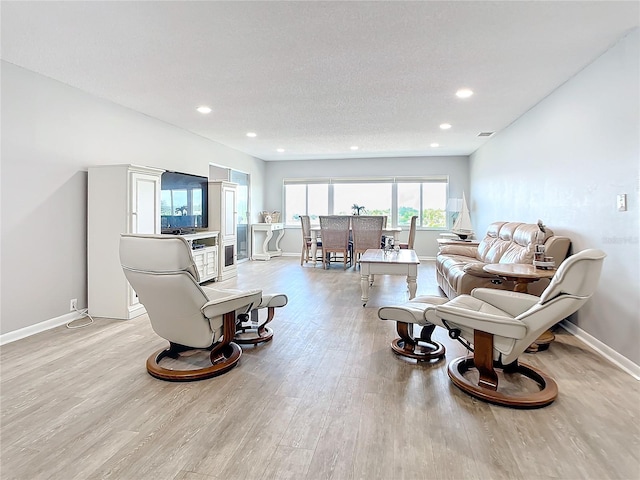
<point>204,250</point>
<point>126,199</point>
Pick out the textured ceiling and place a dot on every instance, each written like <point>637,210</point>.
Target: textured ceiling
<point>316,78</point>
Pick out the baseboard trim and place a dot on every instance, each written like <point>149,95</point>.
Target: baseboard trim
<point>603,349</point>
<point>38,327</point>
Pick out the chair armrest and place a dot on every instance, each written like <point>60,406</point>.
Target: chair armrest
<point>486,322</point>
<point>464,250</point>
<point>513,303</point>
<point>476,269</point>
<point>225,301</point>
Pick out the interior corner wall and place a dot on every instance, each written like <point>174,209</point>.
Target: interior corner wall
<point>456,167</point>
<point>564,162</point>
<point>51,134</point>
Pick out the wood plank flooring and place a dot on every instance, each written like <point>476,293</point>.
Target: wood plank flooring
<point>326,399</point>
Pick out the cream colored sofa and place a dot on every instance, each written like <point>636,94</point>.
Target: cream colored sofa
<point>459,267</point>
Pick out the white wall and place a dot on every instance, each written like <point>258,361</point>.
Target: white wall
<point>564,162</point>
<point>425,244</point>
<point>51,133</point>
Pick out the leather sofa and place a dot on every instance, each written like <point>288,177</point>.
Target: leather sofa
<point>459,267</point>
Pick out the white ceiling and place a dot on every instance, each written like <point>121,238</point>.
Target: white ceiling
<point>313,77</point>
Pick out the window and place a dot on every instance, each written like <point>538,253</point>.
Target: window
<point>375,197</point>
<point>427,200</point>
<point>434,205</point>
<point>397,198</point>
<point>305,199</point>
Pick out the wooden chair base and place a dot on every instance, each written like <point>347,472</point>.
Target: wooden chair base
<point>542,342</point>
<point>253,332</point>
<point>253,336</point>
<point>422,348</point>
<point>488,392</point>
<point>222,360</point>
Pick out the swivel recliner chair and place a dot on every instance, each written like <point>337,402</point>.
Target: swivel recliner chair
<point>160,269</point>
<point>498,326</point>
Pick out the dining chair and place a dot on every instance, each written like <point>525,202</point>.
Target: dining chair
<point>367,233</point>
<point>412,234</point>
<point>334,231</point>
<point>307,239</point>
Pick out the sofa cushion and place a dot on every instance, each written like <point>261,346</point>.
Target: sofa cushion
<point>488,241</point>
<point>511,242</point>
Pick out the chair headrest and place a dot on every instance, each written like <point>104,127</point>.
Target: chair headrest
<point>157,254</point>
<point>578,275</point>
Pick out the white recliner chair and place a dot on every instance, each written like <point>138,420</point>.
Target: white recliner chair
<point>499,325</point>
<point>160,269</point>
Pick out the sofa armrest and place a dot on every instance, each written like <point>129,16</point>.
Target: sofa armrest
<point>464,250</point>
<point>558,248</point>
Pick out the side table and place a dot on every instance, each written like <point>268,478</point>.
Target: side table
<point>264,232</point>
<point>522,275</point>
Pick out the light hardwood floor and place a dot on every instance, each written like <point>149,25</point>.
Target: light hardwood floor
<point>326,399</point>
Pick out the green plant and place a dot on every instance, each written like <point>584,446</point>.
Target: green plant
<point>357,209</point>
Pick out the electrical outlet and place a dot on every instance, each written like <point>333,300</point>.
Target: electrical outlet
<point>73,304</point>
<point>621,201</point>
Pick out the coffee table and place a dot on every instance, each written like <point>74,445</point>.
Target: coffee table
<point>523,275</point>
<point>396,262</point>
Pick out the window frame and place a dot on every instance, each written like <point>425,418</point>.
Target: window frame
<point>394,181</point>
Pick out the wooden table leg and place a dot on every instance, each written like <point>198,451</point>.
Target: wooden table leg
<point>364,285</point>
<point>413,286</point>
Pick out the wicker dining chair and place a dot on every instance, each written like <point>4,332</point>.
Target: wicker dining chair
<point>307,240</point>
<point>367,233</point>
<point>335,230</point>
<point>412,234</point>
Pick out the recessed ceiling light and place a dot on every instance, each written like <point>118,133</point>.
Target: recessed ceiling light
<point>251,134</point>
<point>445,126</point>
<point>204,109</point>
<point>464,93</point>
<point>355,147</point>
<point>434,145</point>
<point>280,150</point>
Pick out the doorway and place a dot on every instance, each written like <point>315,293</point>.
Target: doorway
<point>242,206</point>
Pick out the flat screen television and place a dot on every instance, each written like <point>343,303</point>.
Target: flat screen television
<point>183,203</point>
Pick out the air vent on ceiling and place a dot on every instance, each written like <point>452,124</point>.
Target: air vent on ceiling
<point>485,134</point>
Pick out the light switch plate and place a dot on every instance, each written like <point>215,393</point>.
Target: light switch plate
<point>622,202</point>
